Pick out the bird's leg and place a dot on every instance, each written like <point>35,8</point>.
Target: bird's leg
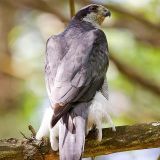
<point>108,118</point>
<point>54,137</point>
<point>99,127</point>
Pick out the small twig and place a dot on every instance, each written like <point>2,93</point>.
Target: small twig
<point>24,135</point>
<point>72,8</point>
<point>32,130</point>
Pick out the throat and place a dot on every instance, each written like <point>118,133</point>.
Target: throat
<point>93,21</point>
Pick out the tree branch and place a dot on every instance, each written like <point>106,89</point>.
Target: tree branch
<point>140,136</point>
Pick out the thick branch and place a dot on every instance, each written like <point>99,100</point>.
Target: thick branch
<point>135,76</point>
<point>126,138</point>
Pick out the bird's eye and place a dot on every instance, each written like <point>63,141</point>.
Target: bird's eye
<point>93,8</point>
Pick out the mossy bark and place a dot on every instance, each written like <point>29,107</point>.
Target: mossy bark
<point>140,136</point>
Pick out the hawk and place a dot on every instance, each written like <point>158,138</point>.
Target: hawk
<point>75,74</point>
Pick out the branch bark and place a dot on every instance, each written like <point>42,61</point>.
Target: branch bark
<point>140,136</point>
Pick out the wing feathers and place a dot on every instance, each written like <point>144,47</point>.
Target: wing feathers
<point>78,63</point>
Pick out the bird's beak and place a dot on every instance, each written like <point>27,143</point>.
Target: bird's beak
<point>107,13</point>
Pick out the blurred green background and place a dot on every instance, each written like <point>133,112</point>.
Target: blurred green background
<point>133,34</point>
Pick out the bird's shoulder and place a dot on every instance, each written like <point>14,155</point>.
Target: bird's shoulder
<point>55,45</point>
<point>96,32</point>
<point>100,35</point>
<point>96,36</point>
<point>53,40</point>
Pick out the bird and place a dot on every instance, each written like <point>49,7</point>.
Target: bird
<point>76,64</point>
<point>97,116</point>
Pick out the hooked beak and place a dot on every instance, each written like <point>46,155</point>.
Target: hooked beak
<point>107,13</point>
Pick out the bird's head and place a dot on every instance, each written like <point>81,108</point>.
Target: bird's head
<point>93,13</point>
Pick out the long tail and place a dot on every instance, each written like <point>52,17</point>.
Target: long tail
<point>72,132</point>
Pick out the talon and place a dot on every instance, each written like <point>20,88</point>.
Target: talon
<point>114,129</point>
<point>99,138</point>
